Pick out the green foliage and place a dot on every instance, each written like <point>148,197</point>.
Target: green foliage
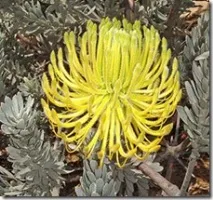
<point>30,86</point>
<point>2,62</point>
<point>164,15</point>
<point>196,47</point>
<point>11,70</point>
<point>133,182</point>
<point>128,178</point>
<point>96,181</point>
<point>196,116</point>
<point>36,165</point>
<point>48,20</point>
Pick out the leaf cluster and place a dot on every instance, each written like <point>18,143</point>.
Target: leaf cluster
<point>196,115</point>
<point>96,181</point>
<point>36,166</point>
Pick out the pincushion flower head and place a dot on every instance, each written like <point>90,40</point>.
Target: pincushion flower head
<point>122,83</point>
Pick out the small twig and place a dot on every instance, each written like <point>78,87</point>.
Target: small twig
<point>170,162</point>
<point>129,10</point>
<point>188,175</point>
<point>182,164</point>
<point>192,163</point>
<point>24,41</point>
<point>169,188</point>
<point>173,150</point>
<point>182,146</point>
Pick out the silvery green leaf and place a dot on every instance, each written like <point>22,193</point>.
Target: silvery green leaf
<point>204,113</point>
<point>6,130</point>
<point>53,174</point>
<point>195,109</point>
<point>130,178</point>
<point>182,114</point>
<point>203,141</point>
<point>136,171</point>
<point>79,192</point>
<point>29,104</point>
<point>25,116</point>
<point>7,101</point>
<point>195,36</point>
<point>190,115</point>
<point>195,90</point>
<point>190,92</point>
<point>5,171</point>
<point>206,68</point>
<point>204,149</point>
<point>187,53</point>
<point>143,186</point>
<point>3,119</point>
<point>85,183</point>
<point>99,185</point>
<point>191,135</point>
<point>93,165</point>
<point>91,176</point>
<point>21,124</point>
<point>106,191</point>
<point>128,171</point>
<point>16,104</point>
<point>113,191</point>
<point>98,173</point>
<point>203,48</point>
<point>203,56</point>
<point>190,45</point>
<point>130,187</point>
<point>18,99</point>
<point>207,121</point>
<point>92,188</point>
<point>87,167</point>
<point>23,171</point>
<point>95,194</point>
<point>204,103</point>
<point>24,132</point>
<point>111,184</point>
<point>142,191</point>
<point>197,131</point>
<point>155,166</point>
<point>197,72</point>
<point>143,182</point>
<point>120,175</point>
<point>104,172</point>
<point>117,186</point>
<point>205,84</point>
<point>192,126</point>
<point>161,16</point>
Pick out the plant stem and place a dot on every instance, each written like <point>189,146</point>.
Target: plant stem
<point>169,188</point>
<point>188,175</point>
<point>192,163</point>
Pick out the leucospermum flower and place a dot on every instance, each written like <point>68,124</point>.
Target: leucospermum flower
<point>122,83</point>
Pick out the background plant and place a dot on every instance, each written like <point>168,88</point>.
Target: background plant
<point>196,115</point>
<point>37,167</point>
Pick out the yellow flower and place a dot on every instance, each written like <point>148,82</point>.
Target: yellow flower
<point>120,83</point>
